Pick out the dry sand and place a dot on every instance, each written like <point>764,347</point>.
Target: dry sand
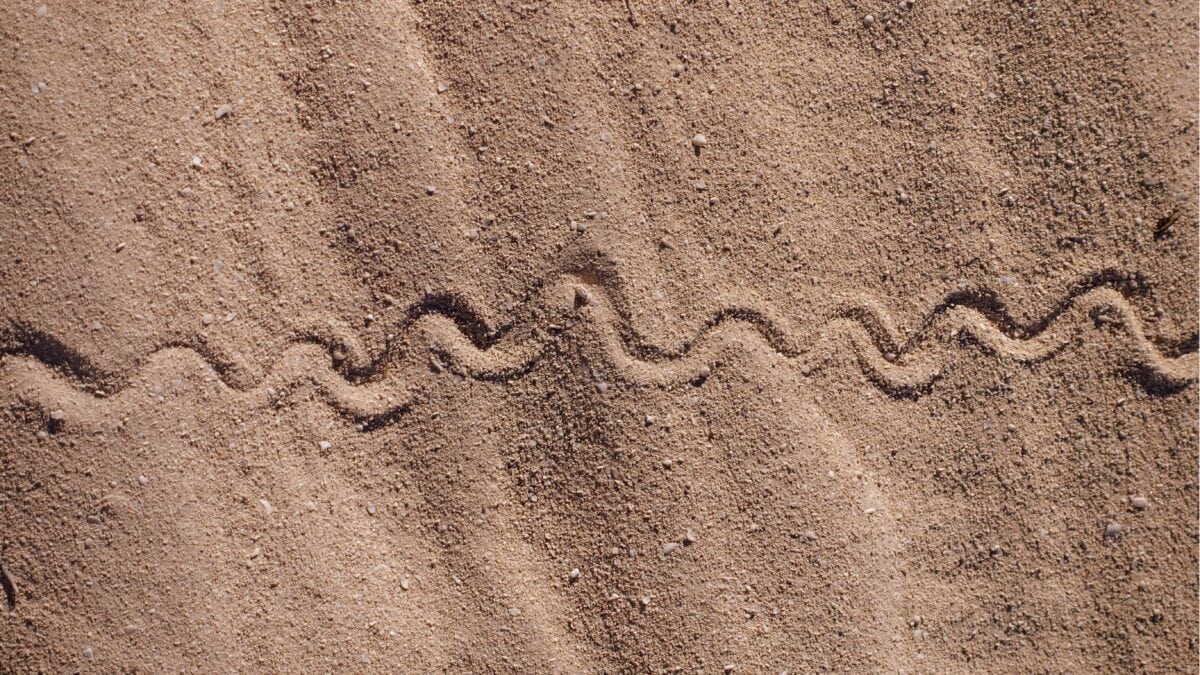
<point>428,336</point>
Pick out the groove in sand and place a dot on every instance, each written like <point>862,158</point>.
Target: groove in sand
<point>372,394</point>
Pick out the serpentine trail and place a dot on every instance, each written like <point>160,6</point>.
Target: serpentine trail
<point>375,392</point>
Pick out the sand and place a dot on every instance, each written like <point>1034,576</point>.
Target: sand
<point>598,337</point>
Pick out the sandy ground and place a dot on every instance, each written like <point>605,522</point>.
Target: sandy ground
<point>598,337</point>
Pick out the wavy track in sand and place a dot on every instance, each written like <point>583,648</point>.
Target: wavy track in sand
<point>41,370</point>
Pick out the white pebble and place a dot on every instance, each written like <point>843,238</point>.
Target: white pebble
<point>1112,530</point>
<point>699,141</point>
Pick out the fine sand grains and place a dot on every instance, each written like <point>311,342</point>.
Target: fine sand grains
<point>598,337</point>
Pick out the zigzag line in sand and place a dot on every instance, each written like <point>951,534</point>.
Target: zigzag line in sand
<point>374,393</point>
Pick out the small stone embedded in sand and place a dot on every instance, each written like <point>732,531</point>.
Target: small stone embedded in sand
<point>602,387</point>
<point>513,611</point>
<point>142,480</point>
<point>94,520</point>
<point>575,574</point>
<point>88,653</point>
<point>223,110</point>
<point>324,445</point>
<point>809,535</point>
<point>649,420</point>
<point>430,190</point>
<point>265,507</point>
<point>582,296</point>
<point>370,508</point>
<point>405,583</point>
<point>699,141</point>
<point>41,10</point>
<point>42,435</point>
<point>868,21</point>
<point>1112,531</point>
<point>689,537</point>
<point>58,415</point>
<point>669,548</point>
<point>197,161</point>
<point>207,319</point>
<point>1140,503</point>
<point>645,601</point>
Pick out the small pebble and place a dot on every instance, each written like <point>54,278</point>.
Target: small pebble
<point>689,537</point>
<point>868,21</point>
<point>58,415</point>
<point>669,548</point>
<point>41,10</point>
<point>405,583</point>
<point>370,508</point>
<point>142,480</point>
<point>699,141</point>
<point>810,535</point>
<point>513,611</point>
<point>196,161</point>
<point>602,387</point>
<point>88,653</point>
<point>645,601</point>
<point>207,319</point>
<point>429,190</point>
<point>266,507</point>
<point>324,445</point>
<point>94,520</point>
<point>582,296</point>
<point>1140,503</point>
<point>223,111</point>
<point>1112,530</point>
<point>575,573</point>
<point>650,420</point>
